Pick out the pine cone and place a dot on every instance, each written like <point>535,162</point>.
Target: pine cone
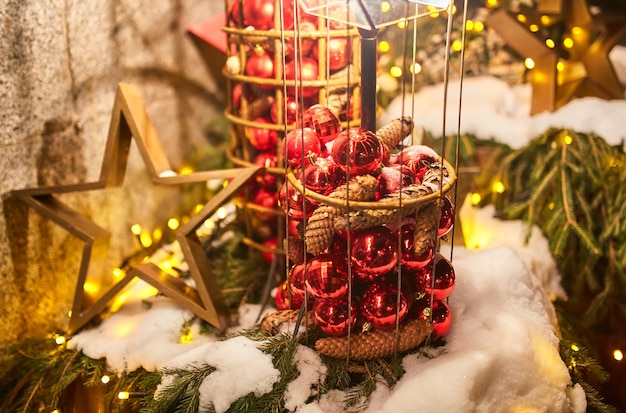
<point>273,323</point>
<point>426,226</point>
<point>376,343</point>
<point>394,132</point>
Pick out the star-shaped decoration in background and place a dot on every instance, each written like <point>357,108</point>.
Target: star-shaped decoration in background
<point>568,47</point>
<point>129,120</point>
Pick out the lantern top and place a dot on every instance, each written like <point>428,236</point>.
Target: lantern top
<point>373,14</point>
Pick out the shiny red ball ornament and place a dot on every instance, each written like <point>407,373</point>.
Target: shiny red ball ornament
<point>271,243</point>
<point>266,159</point>
<point>322,121</point>
<point>333,317</point>
<point>297,286</point>
<point>301,147</point>
<point>327,277</point>
<point>446,219</point>
<point>418,158</point>
<point>322,177</point>
<point>261,138</point>
<point>267,199</point>
<point>393,178</point>
<point>379,305</point>
<point>440,313</point>
<point>293,204</point>
<point>260,13</point>
<point>374,253</point>
<point>292,225</point>
<point>304,45</point>
<point>260,65</point>
<point>302,71</point>
<point>290,111</point>
<point>338,53</point>
<point>282,297</point>
<point>409,259</point>
<point>357,151</point>
<point>445,279</point>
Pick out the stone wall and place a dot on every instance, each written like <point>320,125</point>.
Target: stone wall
<point>61,62</point>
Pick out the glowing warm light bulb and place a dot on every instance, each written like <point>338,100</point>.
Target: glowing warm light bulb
<point>186,338</point>
<point>59,339</point>
<point>90,288</point>
<point>574,347</point>
<point>173,223</point>
<point>434,15</point>
<point>135,229</point>
<point>492,3</point>
<point>498,187</point>
<point>56,411</point>
<point>529,63</point>
<point>534,28</point>
<point>550,43</point>
<point>105,379</point>
<point>118,272</point>
<point>209,224</point>
<point>457,45</point>
<point>185,170</point>
<point>545,20</point>
<point>469,25</point>
<point>385,6</point>
<point>197,208</point>
<point>618,355</point>
<point>568,42</point>
<point>145,240</point>
<point>568,139</point>
<point>69,313</point>
<point>157,234</point>
<point>222,213</point>
<point>395,71</point>
<point>383,46</point>
<point>521,18</point>
<point>402,24</point>
<point>123,395</point>
<point>576,30</point>
<point>479,26</point>
<point>415,68</point>
<point>475,198</point>
<point>551,205</point>
<point>167,265</point>
<point>560,66</point>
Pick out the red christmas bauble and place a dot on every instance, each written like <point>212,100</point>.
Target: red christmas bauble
<point>446,219</point>
<point>322,177</point>
<point>322,121</point>
<point>267,199</point>
<point>409,259</point>
<point>357,151</point>
<point>282,298</point>
<point>393,178</point>
<point>327,277</point>
<point>374,253</point>
<point>297,286</point>
<point>379,305</point>
<point>445,278</point>
<point>268,256</point>
<point>258,13</point>
<point>266,159</point>
<point>418,158</point>
<point>338,53</point>
<point>302,70</point>
<point>292,223</point>
<point>261,138</point>
<point>260,64</point>
<point>440,313</point>
<point>290,111</point>
<point>333,317</point>
<point>301,147</point>
<point>293,204</point>
<point>303,45</point>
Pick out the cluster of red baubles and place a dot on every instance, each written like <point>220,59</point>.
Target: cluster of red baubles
<point>261,59</point>
<point>368,260</point>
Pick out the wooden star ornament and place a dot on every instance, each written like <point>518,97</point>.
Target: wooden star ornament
<point>569,48</point>
<point>94,288</point>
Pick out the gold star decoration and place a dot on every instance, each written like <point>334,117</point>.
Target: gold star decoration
<point>568,48</point>
<point>129,120</point>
